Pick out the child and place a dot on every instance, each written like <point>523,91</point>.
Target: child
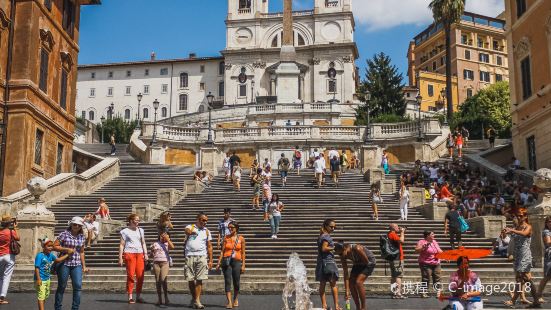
<point>42,265</point>
<point>103,209</point>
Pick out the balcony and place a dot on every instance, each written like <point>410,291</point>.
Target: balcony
<point>331,3</point>
<point>244,11</point>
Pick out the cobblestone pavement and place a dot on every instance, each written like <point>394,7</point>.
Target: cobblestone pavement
<point>95,301</point>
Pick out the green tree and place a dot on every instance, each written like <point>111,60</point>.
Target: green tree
<point>384,83</point>
<point>489,107</point>
<point>122,129</point>
<point>447,13</point>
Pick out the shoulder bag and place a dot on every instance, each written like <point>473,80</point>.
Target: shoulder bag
<point>148,265</point>
<point>15,246</point>
<point>226,261</point>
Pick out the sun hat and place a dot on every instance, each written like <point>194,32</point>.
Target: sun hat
<point>77,220</point>
<point>45,240</point>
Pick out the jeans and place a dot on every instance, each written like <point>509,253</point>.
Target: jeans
<point>232,273</point>
<point>7,264</point>
<point>113,149</point>
<point>63,273</point>
<point>274,224</point>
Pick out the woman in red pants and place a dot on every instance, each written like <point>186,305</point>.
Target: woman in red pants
<point>133,256</point>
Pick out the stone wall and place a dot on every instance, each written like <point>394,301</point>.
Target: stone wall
<point>180,157</point>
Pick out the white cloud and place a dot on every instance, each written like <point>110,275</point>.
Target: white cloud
<point>384,14</point>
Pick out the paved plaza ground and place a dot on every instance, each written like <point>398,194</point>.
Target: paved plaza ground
<point>95,301</point>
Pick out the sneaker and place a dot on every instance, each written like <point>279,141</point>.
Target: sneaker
<point>275,236</point>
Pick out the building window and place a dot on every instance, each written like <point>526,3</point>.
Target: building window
<point>164,88</point>
<point>146,89</point>
<point>467,54</point>
<point>183,80</point>
<point>110,74</point>
<point>110,92</point>
<point>332,86</point>
<point>38,141</point>
<point>48,4</point>
<point>221,68</point>
<point>221,89</point>
<point>531,144</point>
<point>275,41</point>
<point>464,39</point>
<point>63,90</point>
<point>243,90</point>
<point>434,66</point>
<point>202,86</point>
<point>128,91</point>
<point>183,103</point>
<point>469,92</point>
<point>301,41</point>
<point>201,109</point>
<point>127,114</point>
<point>430,90</point>
<point>526,78</point>
<point>146,73</point>
<point>83,114</point>
<point>91,115</point>
<point>164,71</point>
<point>145,113</point>
<point>128,73</point>
<point>92,92</point>
<point>93,75</point>
<point>499,77</point>
<point>468,75</point>
<point>499,61</point>
<point>480,43</point>
<point>69,16</point>
<point>164,112</point>
<point>521,7</point>
<point>59,162</point>
<point>485,76</point>
<point>44,59</point>
<point>484,58</point>
<point>442,60</point>
<point>202,68</point>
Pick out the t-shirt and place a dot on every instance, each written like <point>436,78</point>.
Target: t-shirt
<point>329,240</point>
<point>333,153</point>
<point>318,166</point>
<point>223,229</point>
<point>428,256</point>
<point>453,219</point>
<point>266,192</point>
<point>393,236</point>
<point>335,164</point>
<point>196,244</point>
<point>5,238</point>
<point>229,247</point>
<point>283,163</point>
<point>94,226</point>
<point>132,240</point>
<point>274,208</point>
<point>44,263</point>
<point>159,254</point>
<point>433,172</point>
<point>323,163</point>
<point>504,242</point>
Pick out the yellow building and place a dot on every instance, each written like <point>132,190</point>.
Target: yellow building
<point>478,51</point>
<point>529,40</point>
<point>431,86</point>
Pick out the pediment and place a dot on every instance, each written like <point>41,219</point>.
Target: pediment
<point>523,47</point>
<point>67,60</point>
<point>47,39</point>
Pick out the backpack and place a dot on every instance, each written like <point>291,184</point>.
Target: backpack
<point>285,164</point>
<point>298,155</point>
<point>388,251</point>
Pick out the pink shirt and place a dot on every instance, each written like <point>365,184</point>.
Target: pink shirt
<point>428,256</point>
<point>158,252</point>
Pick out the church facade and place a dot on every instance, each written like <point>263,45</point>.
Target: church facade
<point>244,74</point>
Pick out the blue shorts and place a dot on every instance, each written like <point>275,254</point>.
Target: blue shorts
<point>283,174</point>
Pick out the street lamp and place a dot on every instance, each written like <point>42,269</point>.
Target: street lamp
<point>155,106</point>
<point>252,92</point>
<point>110,110</point>
<point>102,125</point>
<point>210,99</point>
<point>443,94</point>
<point>419,99</point>
<point>367,100</point>
<point>138,125</point>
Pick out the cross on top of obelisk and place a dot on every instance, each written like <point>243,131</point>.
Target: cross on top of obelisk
<point>287,46</point>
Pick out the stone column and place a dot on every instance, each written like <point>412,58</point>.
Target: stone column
<point>209,160</point>
<point>155,155</point>
<point>371,156</point>
<point>537,215</point>
<point>34,222</point>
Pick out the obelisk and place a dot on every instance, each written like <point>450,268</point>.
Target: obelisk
<point>287,72</point>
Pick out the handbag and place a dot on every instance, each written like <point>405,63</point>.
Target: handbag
<point>226,261</point>
<point>330,267</point>
<point>464,226</point>
<point>15,246</point>
<point>168,258</point>
<point>148,265</point>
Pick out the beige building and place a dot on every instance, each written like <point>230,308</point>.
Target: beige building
<point>529,41</point>
<point>479,58</point>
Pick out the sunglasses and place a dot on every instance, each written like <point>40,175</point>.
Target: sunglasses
<point>333,227</point>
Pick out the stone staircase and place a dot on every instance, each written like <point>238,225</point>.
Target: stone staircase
<point>306,208</point>
<point>104,150</point>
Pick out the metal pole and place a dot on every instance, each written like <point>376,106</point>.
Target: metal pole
<point>102,141</point>
<point>419,122</point>
<point>209,139</point>
<point>154,140</point>
<point>138,125</point>
<point>368,121</point>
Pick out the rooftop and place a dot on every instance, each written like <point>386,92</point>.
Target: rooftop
<point>151,62</point>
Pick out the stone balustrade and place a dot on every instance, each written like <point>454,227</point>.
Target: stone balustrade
<point>293,108</point>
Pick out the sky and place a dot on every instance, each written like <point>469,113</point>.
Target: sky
<point>129,30</point>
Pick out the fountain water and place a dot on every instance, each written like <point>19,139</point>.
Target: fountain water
<point>297,284</point>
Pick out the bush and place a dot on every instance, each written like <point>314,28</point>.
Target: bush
<point>122,129</point>
<point>391,118</point>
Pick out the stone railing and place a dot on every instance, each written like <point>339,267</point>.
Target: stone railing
<point>331,3</point>
<point>244,11</point>
<point>429,127</point>
<point>315,107</point>
<point>295,13</point>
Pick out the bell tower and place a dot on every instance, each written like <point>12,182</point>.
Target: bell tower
<point>246,9</point>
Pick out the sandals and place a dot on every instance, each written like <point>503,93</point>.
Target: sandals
<point>236,304</point>
<point>131,301</point>
<point>4,302</point>
<point>509,303</point>
<point>198,306</point>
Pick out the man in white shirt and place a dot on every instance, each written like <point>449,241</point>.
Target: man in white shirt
<point>433,173</point>
<point>333,153</point>
<point>316,153</point>
<point>196,268</point>
<point>323,164</point>
<point>498,202</point>
<point>92,228</point>
<point>318,170</point>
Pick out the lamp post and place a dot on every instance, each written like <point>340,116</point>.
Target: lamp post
<point>210,99</point>
<point>419,99</point>
<point>367,100</point>
<point>252,92</point>
<point>102,125</point>
<point>138,125</point>
<point>443,94</point>
<point>155,106</point>
<point>110,110</point>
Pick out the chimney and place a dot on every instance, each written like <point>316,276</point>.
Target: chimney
<point>153,56</point>
<point>192,55</point>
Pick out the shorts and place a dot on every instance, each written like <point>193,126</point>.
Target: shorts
<point>196,268</point>
<point>361,269</point>
<point>43,291</point>
<point>396,268</point>
<point>335,174</point>
<point>283,174</point>
<point>460,146</point>
<point>297,163</point>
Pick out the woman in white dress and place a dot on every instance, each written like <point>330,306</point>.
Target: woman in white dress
<point>404,201</point>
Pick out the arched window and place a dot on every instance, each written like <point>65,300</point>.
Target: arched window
<point>145,113</point>
<point>183,80</point>
<point>91,115</point>
<point>274,41</point>
<point>201,108</point>
<point>127,114</point>
<point>164,112</point>
<point>244,4</point>
<point>301,41</point>
<point>221,68</point>
<point>183,102</point>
